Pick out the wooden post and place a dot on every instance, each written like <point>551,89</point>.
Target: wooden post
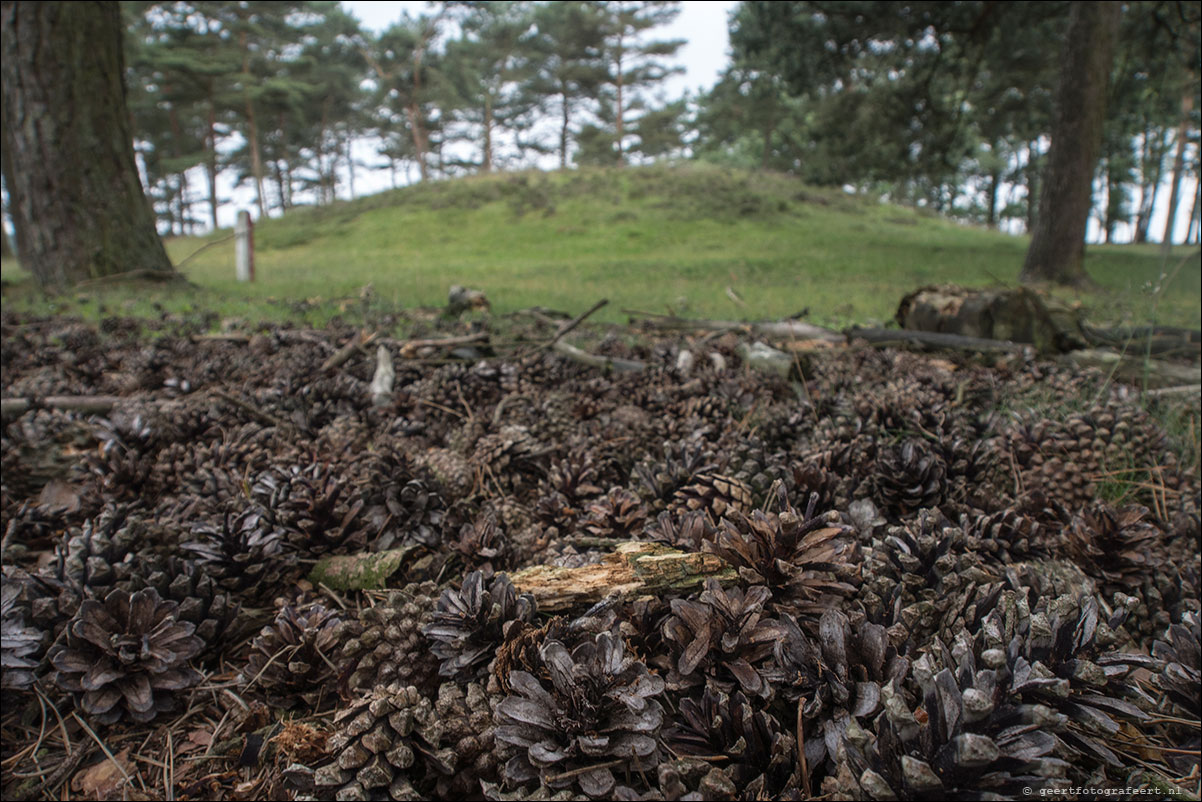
<point>244,249</point>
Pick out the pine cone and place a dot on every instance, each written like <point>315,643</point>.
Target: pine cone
<point>723,639</point>
<point>20,644</point>
<point>617,514</point>
<point>292,659</point>
<point>126,655</point>
<point>386,646</point>
<point>469,624</point>
<point>243,554</point>
<point>1181,651</point>
<point>717,495</point>
<point>384,741</point>
<point>599,710</point>
<point>909,478</point>
<point>763,756</point>
<point>804,560</point>
<point>466,716</point>
<point>312,507</point>
<point>202,602</point>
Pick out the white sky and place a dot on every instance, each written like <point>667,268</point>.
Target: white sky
<point>701,23</point>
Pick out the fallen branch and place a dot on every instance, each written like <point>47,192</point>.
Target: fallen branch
<point>251,410</point>
<point>408,349</point>
<point>1186,390</point>
<point>202,249</point>
<point>634,569</point>
<point>574,322</point>
<point>347,351</point>
<point>1136,369</point>
<point>605,363</point>
<point>792,329</point>
<point>892,338</point>
<point>10,407</point>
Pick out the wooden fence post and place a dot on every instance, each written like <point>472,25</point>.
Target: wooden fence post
<point>244,249</point>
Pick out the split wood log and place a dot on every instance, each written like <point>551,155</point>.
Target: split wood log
<point>605,363</point>
<point>634,569</point>
<point>892,338</point>
<point>99,404</point>
<point>1136,369</point>
<point>783,329</point>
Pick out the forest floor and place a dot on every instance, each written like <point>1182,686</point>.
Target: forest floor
<point>696,240</point>
<point>989,566</point>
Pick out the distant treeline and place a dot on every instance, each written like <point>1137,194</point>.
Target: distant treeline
<point>947,105</point>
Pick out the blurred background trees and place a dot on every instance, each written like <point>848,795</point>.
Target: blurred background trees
<point>944,105</point>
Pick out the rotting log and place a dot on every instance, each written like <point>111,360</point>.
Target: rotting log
<point>634,569</point>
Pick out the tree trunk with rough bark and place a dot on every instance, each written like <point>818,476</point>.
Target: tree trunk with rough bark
<point>78,205</point>
<point>1057,250</point>
<point>1187,106</point>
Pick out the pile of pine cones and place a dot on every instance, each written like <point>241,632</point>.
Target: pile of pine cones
<point>946,583</point>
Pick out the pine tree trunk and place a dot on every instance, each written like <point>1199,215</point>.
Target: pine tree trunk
<point>256,160</point>
<point>77,201</point>
<point>350,165</point>
<point>1057,250</point>
<point>1153,158</point>
<point>1187,106</point>
<point>486,159</point>
<point>563,132</point>
<point>1032,186</point>
<point>419,139</point>
<point>994,184</point>
<point>211,158</point>
<point>620,120</point>
<point>1191,236</point>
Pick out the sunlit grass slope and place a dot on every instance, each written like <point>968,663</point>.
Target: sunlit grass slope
<point>657,239</point>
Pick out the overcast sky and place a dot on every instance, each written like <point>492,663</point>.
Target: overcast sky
<point>702,24</point>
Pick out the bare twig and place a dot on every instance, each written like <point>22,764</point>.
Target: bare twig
<point>259,414</point>
<point>347,351</point>
<point>574,322</point>
<point>202,249</point>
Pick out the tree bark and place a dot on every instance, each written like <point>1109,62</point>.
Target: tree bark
<point>1057,250</point>
<point>252,134</point>
<point>211,157</point>
<point>1149,189</point>
<point>1187,106</point>
<point>79,208</point>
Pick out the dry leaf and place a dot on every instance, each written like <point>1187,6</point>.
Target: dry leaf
<point>99,781</point>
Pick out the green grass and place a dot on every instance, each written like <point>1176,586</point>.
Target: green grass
<point>656,238</point>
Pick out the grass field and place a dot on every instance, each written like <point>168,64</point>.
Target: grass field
<point>657,238</point>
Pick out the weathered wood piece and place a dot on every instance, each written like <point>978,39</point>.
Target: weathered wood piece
<point>634,569</point>
<point>783,329</point>
<point>1020,316</point>
<point>381,382</point>
<point>1136,369</point>
<point>11,407</point>
<point>605,363</point>
<point>890,338</point>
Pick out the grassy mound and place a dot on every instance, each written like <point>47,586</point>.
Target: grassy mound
<point>662,238</point>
